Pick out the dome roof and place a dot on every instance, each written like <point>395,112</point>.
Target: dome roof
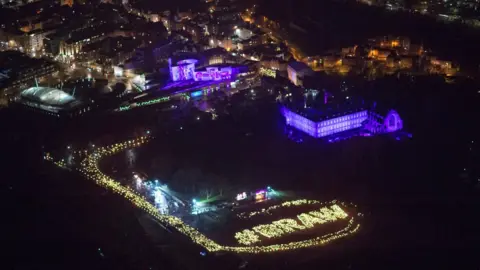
<point>47,95</point>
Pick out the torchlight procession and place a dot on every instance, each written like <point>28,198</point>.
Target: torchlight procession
<point>328,212</point>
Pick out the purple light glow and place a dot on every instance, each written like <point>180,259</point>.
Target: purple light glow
<point>185,70</point>
<point>342,123</point>
<point>327,127</point>
<point>392,122</point>
<point>214,74</point>
<point>300,122</point>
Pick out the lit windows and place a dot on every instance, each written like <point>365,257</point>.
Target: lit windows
<point>327,127</point>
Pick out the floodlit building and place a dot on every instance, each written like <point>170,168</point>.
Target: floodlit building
<point>296,71</point>
<point>326,123</point>
<point>51,101</point>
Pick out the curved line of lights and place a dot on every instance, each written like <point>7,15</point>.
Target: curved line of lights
<point>89,167</point>
<point>145,103</point>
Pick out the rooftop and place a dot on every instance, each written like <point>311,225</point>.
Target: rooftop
<point>298,66</point>
<point>48,96</point>
<point>318,111</point>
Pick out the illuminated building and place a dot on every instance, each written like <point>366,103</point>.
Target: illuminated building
<point>51,101</point>
<point>241,196</point>
<point>260,195</point>
<point>273,63</point>
<point>217,56</point>
<point>405,62</point>
<point>243,33</point>
<point>389,42</point>
<point>361,118</point>
<point>379,54</point>
<point>214,74</point>
<point>36,41</point>
<point>184,70</point>
<point>296,71</point>
<point>71,45</point>
<point>227,44</point>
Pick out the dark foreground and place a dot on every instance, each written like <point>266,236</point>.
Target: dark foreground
<point>419,214</point>
<point>54,219</point>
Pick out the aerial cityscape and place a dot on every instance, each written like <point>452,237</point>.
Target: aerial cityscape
<point>240,134</point>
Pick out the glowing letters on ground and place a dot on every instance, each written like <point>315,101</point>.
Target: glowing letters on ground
<point>286,226</point>
<point>90,168</point>
<point>268,210</point>
<point>247,237</point>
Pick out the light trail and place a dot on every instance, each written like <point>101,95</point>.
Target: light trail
<point>90,168</point>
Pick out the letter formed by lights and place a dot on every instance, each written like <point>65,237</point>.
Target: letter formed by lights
<point>338,212</point>
<point>247,237</point>
<point>288,225</point>
<point>269,230</point>
<point>90,168</point>
<point>285,226</point>
<point>309,221</point>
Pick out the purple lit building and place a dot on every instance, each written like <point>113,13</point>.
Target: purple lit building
<point>184,70</point>
<point>360,119</point>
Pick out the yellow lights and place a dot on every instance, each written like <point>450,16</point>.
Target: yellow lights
<point>268,230</point>
<point>268,211</point>
<point>90,168</point>
<point>286,226</point>
<point>247,237</point>
<point>309,221</point>
<point>267,72</point>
